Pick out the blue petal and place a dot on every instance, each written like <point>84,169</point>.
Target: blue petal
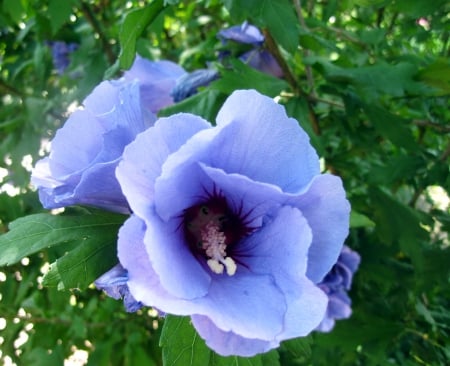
<point>85,153</point>
<point>103,98</point>
<point>261,142</point>
<point>156,79</point>
<point>180,273</point>
<point>328,213</point>
<point>229,343</point>
<point>258,141</point>
<point>137,174</point>
<point>263,61</point>
<point>188,84</point>
<point>244,33</point>
<point>114,283</point>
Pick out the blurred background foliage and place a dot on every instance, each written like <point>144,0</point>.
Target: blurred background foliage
<point>369,80</point>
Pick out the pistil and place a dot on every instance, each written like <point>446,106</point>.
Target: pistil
<point>214,245</point>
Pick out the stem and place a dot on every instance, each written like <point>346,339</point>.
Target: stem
<point>273,49</point>
<point>308,71</point>
<point>436,126</point>
<point>87,12</point>
<point>10,89</point>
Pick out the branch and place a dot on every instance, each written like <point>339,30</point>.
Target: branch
<point>434,125</point>
<point>308,70</point>
<point>90,16</point>
<point>273,49</point>
<point>10,89</point>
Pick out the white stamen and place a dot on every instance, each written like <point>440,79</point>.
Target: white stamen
<point>213,242</point>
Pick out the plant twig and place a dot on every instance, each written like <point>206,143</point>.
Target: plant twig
<point>90,16</point>
<point>308,70</point>
<point>273,49</point>
<point>435,126</point>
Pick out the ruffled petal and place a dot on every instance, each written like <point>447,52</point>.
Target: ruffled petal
<point>156,79</point>
<point>103,98</point>
<point>143,159</point>
<point>261,142</point>
<point>76,144</point>
<point>327,211</point>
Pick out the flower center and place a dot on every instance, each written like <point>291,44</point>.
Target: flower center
<point>211,229</point>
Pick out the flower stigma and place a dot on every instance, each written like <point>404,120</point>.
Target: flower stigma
<point>212,229</point>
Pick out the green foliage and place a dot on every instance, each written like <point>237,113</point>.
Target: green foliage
<point>369,82</point>
<point>181,345</point>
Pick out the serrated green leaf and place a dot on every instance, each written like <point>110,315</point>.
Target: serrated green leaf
<point>133,26</point>
<point>181,345</point>
<point>33,233</point>
<point>95,255</point>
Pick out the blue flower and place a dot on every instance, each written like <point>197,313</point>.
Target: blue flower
<point>60,53</point>
<point>233,225</point>
<point>188,84</point>
<point>258,57</point>
<point>86,150</point>
<point>114,283</point>
<point>336,284</point>
<point>244,33</point>
<point>156,79</point>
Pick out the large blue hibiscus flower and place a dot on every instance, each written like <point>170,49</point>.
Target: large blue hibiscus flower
<point>233,225</point>
<point>86,150</point>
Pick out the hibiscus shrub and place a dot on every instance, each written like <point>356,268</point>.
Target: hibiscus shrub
<point>224,182</point>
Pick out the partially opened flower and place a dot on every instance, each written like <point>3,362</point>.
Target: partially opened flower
<point>61,54</point>
<point>232,225</point>
<point>114,283</point>
<point>257,57</point>
<point>86,150</point>
<point>336,285</point>
<point>189,83</point>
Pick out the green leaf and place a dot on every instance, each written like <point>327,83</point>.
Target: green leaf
<point>242,9</point>
<point>205,104</point>
<point>359,220</point>
<point>279,17</point>
<point>59,13</point>
<point>242,76</point>
<point>14,8</point>
<point>399,224</point>
<point>94,256</point>
<point>181,345</point>
<point>391,126</point>
<point>133,25</point>
<point>298,348</point>
<point>33,233</point>
<point>437,75</point>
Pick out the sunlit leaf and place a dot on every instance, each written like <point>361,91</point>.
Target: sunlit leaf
<point>30,234</point>
<point>133,26</point>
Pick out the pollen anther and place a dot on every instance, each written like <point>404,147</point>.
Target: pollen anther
<point>213,241</point>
